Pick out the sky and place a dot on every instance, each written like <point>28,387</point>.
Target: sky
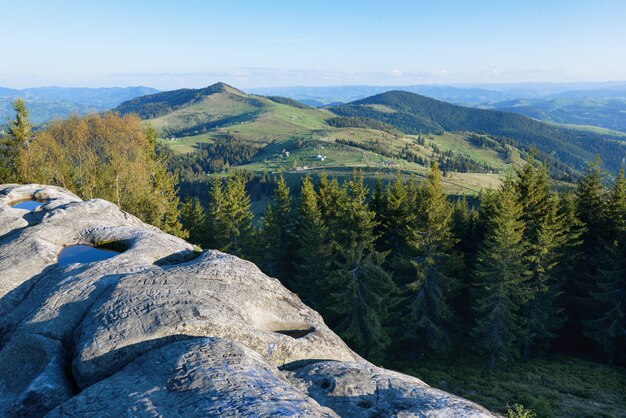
<point>266,43</point>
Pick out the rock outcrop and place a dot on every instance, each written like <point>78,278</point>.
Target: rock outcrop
<point>163,330</point>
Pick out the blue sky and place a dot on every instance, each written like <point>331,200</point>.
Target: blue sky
<point>172,44</point>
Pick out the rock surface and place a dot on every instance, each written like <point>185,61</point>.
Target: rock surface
<point>162,330</point>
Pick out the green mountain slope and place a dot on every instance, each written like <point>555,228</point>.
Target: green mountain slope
<point>413,114</point>
<point>203,113</point>
<point>218,127</point>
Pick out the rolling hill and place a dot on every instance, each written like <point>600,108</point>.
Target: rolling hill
<point>217,127</point>
<point>413,114</point>
<point>593,104</point>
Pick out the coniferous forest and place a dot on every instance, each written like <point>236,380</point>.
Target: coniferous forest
<point>405,274</point>
<point>403,271</point>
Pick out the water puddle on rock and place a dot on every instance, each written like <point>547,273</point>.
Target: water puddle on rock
<point>84,254</point>
<point>28,204</point>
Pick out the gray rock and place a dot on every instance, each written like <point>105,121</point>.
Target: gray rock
<point>84,338</point>
<point>196,377</point>
<point>357,389</point>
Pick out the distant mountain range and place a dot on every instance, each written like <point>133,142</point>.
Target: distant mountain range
<point>592,104</point>
<point>46,103</point>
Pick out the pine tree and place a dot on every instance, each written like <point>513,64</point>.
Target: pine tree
<point>428,308</point>
<point>278,225</point>
<point>358,286</point>
<point>500,279</point>
<point>313,248</point>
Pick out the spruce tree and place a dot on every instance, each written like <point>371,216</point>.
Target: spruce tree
<point>278,225</point>
<point>616,206</point>
<point>330,194</point>
<point>195,220</point>
<point>216,223</point>
<point>313,251</point>
<point>230,218</point>
<point>237,217</point>
<point>545,237</point>
<point>428,301</point>
<point>395,218</point>
<point>20,128</point>
<point>357,285</point>
<point>542,313</point>
<point>500,279</point>
<point>19,135</point>
<point>591,210</point>
<point>607,328</point>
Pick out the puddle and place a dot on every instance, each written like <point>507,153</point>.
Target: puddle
<point>296,333</point>
<point>84,254</point>
<point>28,204</point>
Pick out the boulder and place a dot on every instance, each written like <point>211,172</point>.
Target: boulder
<point>163,329</point>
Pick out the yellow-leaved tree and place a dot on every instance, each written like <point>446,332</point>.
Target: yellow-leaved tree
<point>106,156</point>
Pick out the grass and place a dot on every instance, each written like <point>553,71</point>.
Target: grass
<point>589,128</point>
<point>459,144</point>
<point>277,126</point>
<point>341,161</point>
<point>212,108</point>
<point>188,143</point>
<point>554,386</point>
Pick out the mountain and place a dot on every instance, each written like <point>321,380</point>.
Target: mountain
<point>47,103</point>
<point>324,96</point>
<point>214,109</point>
<point>469,95</point>
<point>592,104</point>
<point>414,114</point>
<point>218,127</point>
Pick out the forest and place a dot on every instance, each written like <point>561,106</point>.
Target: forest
<point>526,270</point>
<point>402,272</point>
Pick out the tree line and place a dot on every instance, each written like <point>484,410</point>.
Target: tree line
<point>401,270</point>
